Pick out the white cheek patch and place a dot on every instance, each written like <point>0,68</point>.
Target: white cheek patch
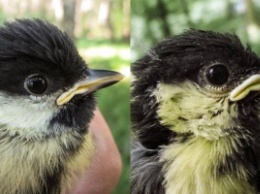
<point>186,109</point>
<point>24,115</point>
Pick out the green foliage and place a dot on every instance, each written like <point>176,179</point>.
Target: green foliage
<point>90,43</point>
<point>155,20</point>
<point>114,102</point>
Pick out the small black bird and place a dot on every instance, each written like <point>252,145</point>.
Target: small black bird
<point>46,103</point>
<point>196,117</point>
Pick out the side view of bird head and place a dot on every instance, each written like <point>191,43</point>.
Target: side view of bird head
<point>46,103</point>
<point>198,105</point>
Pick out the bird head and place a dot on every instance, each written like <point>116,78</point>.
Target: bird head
<point>199,83</point>
<point>46,88</point>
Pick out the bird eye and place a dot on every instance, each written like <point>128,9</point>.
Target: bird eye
<point>35,84</point>
<point>217,74</point>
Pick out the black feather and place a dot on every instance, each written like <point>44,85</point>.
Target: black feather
<point>146,170</point>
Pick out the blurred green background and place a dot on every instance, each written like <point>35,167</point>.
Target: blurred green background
<point>101,31</point>
<point>155,20</point>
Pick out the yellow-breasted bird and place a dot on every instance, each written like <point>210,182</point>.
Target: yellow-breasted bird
<point>46,102</point>
<point>196,117</point>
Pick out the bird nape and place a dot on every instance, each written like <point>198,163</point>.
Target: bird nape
<point>46,103</point>
<point>196,117</point>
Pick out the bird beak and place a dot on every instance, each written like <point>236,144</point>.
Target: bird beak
<point>96,80</point>
<point>241,91</point>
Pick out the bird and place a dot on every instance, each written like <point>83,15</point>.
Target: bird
<point>195,109</point>
<point>47,99</point>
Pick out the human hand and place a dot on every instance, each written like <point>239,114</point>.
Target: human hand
<point>106,166</point>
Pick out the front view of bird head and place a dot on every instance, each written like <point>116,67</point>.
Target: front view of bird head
<point>46,104</point>
<point>202,83</point>
<point>196,98</point>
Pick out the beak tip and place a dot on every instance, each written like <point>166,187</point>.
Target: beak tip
<point>120,76</point>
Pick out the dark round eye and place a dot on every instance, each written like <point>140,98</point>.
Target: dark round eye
<point>36,84</point>
<point>217,74</point>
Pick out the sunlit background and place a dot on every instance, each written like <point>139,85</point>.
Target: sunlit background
<point>155,20</point>
<point>101,31</point>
